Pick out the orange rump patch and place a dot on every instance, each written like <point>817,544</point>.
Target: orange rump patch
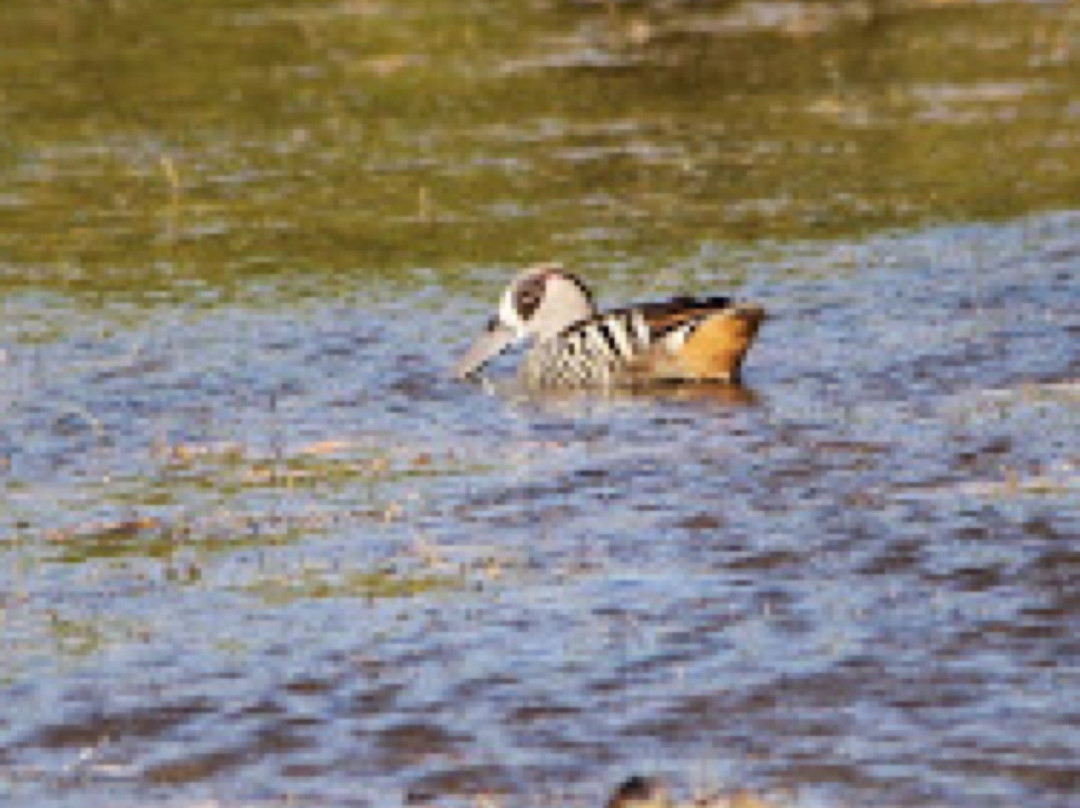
<point>717,347</point>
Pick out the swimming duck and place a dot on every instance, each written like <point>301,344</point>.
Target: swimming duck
<point>685,339</point>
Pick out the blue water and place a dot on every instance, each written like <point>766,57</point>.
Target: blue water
<point>855,581</point>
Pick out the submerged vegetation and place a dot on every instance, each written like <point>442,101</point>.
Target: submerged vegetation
<point>313,145</point>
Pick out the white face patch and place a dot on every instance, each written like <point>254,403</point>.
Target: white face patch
<point>508,315</point>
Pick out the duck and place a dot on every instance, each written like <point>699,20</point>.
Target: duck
<point>573,345</point>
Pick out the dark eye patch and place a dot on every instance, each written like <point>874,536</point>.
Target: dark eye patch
<point>528,295</point>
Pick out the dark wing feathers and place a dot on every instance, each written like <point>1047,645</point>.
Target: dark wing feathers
<point>662,316</point>
<point>668,315</point>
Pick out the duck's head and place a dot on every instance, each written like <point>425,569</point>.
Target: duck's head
<point>538,304</point>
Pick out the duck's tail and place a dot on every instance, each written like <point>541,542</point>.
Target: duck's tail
<point>718,345</point>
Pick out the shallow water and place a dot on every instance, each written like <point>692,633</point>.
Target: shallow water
<point>258,547</point>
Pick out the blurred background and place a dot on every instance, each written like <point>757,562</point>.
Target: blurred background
<point>256,548</point>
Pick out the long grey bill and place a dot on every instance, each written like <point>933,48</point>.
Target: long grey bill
<point>486,347</point>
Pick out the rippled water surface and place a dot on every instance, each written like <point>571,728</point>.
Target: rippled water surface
<point>258,549</point>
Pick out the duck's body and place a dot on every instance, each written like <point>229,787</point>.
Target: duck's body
<point>575,346</point>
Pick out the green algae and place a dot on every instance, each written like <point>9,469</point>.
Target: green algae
<point>153,152</point>
<point>369,585</point>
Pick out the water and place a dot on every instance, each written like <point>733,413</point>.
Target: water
<point>258,547</point>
